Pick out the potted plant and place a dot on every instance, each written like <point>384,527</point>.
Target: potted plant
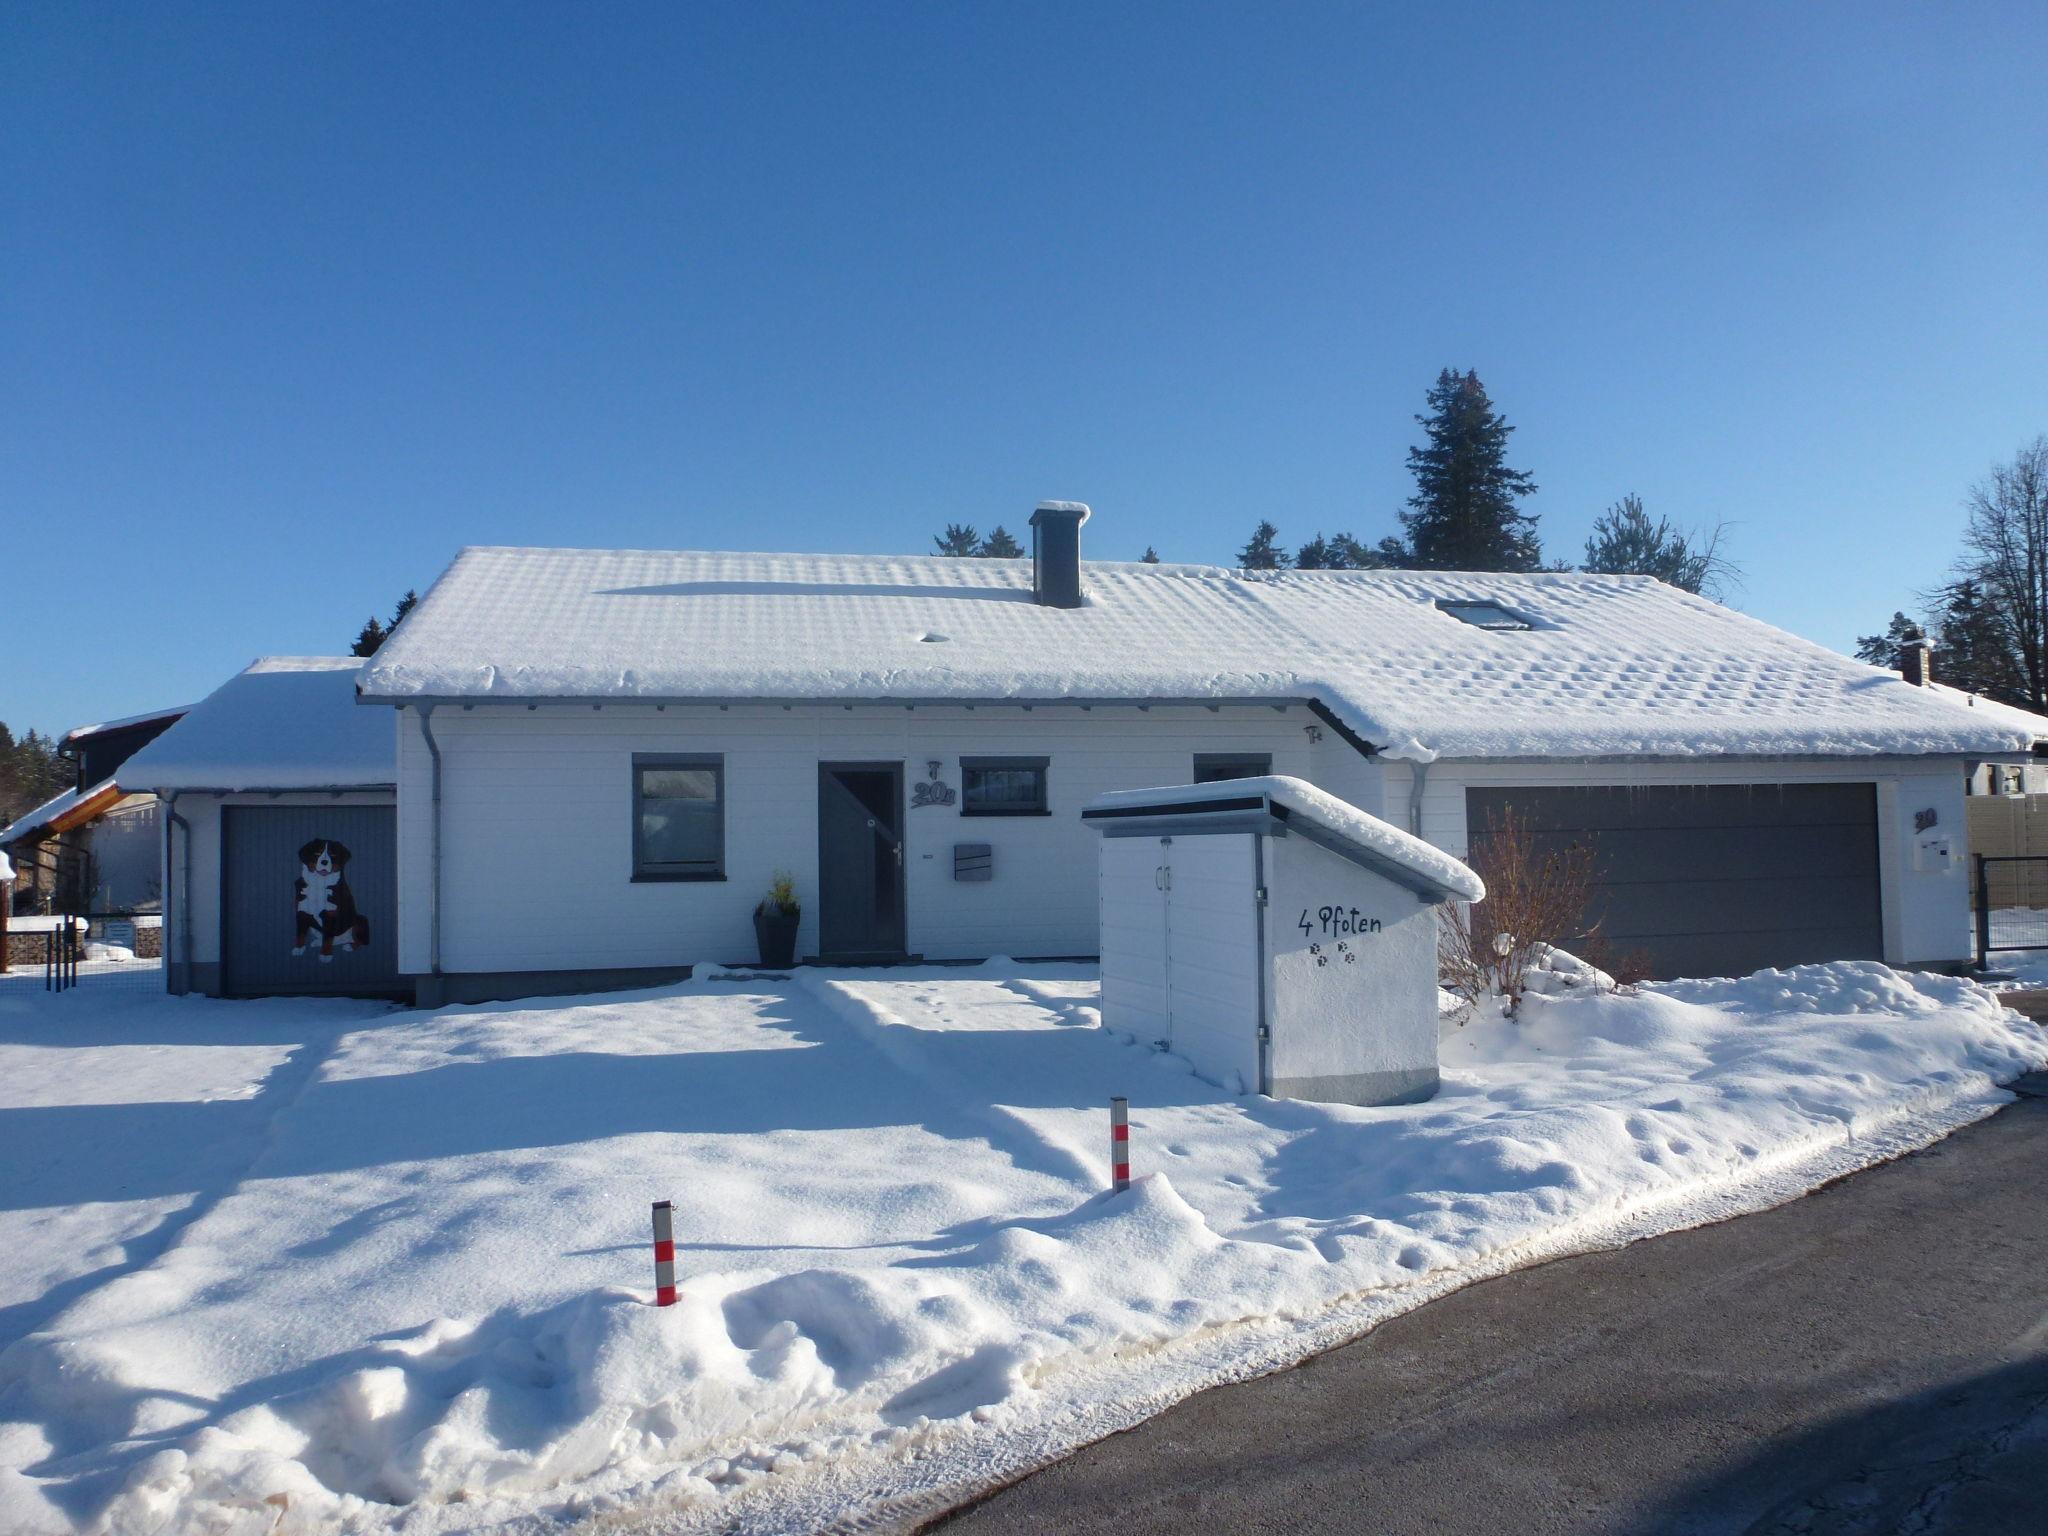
<point>775,922</point>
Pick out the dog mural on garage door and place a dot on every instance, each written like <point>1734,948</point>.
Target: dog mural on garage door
<point>326,907</point>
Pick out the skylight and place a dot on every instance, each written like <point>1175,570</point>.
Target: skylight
<point>1482,615</point>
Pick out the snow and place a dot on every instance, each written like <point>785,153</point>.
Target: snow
<point>6,868</point>
<point>80,732</point>
<point>1612,665</point>
<point>286,722</point>
<point>297,1264</point>
<point>1323,809</point>
<point>50,811</point>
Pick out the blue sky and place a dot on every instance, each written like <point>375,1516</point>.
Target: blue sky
<point>296,300</point>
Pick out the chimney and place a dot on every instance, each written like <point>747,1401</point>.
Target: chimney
<point>1916,661</point>
<point>1056,553</point>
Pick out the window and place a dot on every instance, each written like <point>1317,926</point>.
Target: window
<point>678,818</point>
<point>1003,786</point>
<point>1482,615</point>
<point>1211,766</point>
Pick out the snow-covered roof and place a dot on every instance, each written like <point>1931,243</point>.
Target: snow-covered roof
<point>2004,714</point>
<point>80,732</point>
<point>1609,665</point>
<point>49,816</point>
<point>287,722</point>
<point>1345,828</point>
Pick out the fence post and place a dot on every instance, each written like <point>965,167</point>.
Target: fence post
<point>664,1253</point>
<point>1983,914</point>
<point>1120,1144</point>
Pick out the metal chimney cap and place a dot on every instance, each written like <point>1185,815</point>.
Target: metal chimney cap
<point>1078,510</point>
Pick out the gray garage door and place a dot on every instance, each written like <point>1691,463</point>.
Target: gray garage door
<point>339,937</point>
<point>1721,879</point>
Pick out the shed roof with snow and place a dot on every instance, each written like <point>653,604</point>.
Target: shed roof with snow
<point>1276,803</point>
<point>285,722</point>
<point>1417,664</point>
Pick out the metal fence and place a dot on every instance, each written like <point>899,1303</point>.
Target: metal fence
<point>2011,903</point>
<point>113,951</point>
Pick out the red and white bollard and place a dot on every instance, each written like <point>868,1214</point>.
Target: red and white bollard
<point>664,1254</point>
<point>1120,1144</point>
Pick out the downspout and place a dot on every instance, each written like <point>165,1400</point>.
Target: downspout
<point>434,844</point>
<point>183,886</point>
<point>1265,1083</point>
<point>1419,780</point>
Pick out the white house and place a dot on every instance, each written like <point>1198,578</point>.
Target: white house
<point>604,757</point>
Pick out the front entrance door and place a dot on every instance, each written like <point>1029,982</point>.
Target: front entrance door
<point>860,861</point>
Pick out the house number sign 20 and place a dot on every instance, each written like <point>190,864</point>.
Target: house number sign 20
<point>1336,920</point>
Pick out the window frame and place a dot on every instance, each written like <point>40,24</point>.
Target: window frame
<point>1042,766</point>
<point>646,871</point>
<point>1220,759</point>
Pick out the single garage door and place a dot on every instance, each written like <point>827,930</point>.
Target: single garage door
<point>1716,879</point>
<point>309,900</point>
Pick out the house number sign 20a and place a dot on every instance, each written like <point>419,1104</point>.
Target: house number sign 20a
<point>1336,920</point>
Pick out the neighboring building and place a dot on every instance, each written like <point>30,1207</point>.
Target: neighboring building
<point>92,848</point>
<point>276,760</point>
<point>578,768</point>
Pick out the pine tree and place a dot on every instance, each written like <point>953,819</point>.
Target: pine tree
<point>999,545</point>
<point>1314,555</point>
<point>1463,514</point>
<point>959,540</point>
<point>1883,650</point>
<point>405,606</point>
<point>1626,543</point>
<point>369,637</point>
<point>1975,645</point>
<point>1263,553</point>
<point>1151,555</point>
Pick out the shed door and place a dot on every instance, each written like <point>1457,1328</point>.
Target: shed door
<point>1133,895</point>
<point>286,927</point>
<point>1213,956</point>
<point>1720,879</point>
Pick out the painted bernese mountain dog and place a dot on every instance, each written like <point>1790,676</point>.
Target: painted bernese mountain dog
<point>326,906</point>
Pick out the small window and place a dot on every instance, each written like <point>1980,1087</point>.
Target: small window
<point>1483,615</point>
<point>1211,766</point>
<point>1003,786</point>
<point>678,818</point>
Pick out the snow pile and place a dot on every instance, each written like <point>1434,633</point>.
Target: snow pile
<point>1608,665</point>
<point>1323,809</point>
<point>287,1272</point>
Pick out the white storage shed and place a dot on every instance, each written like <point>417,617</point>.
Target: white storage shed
<point>1280,939</point>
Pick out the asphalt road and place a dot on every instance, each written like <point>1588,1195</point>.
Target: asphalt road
<point>1871,1358</point>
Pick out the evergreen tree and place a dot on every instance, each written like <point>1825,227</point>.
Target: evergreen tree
<point>369,637</point>
<point>1314,555</point>
<point>1151,555</point>
<point>1883,650</point>
<point>1626,543</point>
<point>959,540</point>
<point>999,545</point>
<point>1975,645</point>
<point>1263,553</point>
<point>1463,515</point>
<point>1391,553</point>
<point>405,606</point>
<point>30,772</point>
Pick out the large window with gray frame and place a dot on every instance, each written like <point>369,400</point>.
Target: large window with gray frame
<point>678,817</point>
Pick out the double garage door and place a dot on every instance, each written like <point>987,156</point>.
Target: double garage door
<point>1714,879</point>
<point>335,933</point>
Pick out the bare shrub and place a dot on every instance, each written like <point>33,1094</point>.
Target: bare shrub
<point>1535,902</point>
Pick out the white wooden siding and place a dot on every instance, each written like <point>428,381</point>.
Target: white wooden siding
<point>537,823</point>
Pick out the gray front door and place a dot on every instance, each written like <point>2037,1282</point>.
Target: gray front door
<point>1715,879</point>
<point>309,900</point>
<point>860,861</point>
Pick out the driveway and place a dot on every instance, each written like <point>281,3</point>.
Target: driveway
<point>1871,1358</point>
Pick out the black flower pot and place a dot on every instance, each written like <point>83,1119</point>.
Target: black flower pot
<point>775,931</point>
